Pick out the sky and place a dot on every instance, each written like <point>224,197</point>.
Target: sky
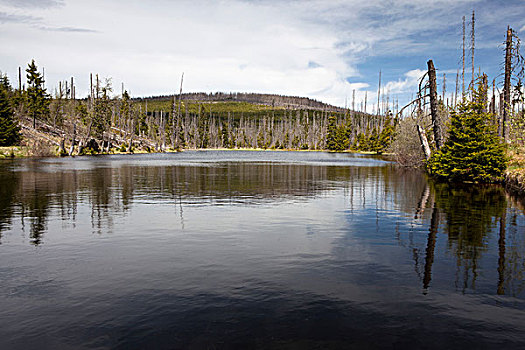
<point>322,49</point>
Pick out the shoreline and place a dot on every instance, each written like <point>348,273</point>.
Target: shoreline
<point>514,177</point>
<point>11,152</point>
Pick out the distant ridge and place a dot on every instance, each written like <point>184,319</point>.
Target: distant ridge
<point>274,100</point>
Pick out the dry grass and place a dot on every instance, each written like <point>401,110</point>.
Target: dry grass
<point>515,174</point>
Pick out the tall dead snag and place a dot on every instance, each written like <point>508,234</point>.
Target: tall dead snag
<point>436,123</point>
<point>378,109</point>
<point>506,86</point>
<point>484,82</point>
<point>472,44</point>
<point>463,62</point>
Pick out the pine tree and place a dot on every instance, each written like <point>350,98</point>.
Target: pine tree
<point>337,137</point>
<point>473,151</point>
<point>9,129</point>
<point>331,134</point>
<point>387,134</point>
<point>37,97</point>
<point>102,111</point>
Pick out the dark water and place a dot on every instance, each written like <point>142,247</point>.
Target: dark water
<point>250,250</point>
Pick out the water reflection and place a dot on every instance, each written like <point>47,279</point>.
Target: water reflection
<point>321,245</point>
<point>468,215</point>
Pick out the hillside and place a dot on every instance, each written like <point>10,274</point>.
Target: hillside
<point>246,100</point>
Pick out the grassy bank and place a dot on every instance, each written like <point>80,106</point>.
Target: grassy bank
<point>515,174</point>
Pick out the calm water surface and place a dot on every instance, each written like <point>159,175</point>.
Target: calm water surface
<point>244,250</point>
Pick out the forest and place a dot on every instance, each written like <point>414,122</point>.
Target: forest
<point>104,122</point>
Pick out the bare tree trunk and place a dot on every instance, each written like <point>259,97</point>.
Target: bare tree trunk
<point>493,109</point>
<point>424,141</point>
<point>436,123</point>
<point>366,97</point>
<point>472,42</point>
<point>130,146</point>
<point>485,84</point>
<point>73,140</point>
<point>506,87</point>
<point>378,109</point>
<point>457,86</point>
<point>353,100</point>
<point>62,147</point>
<point>444,89</point>
<point>463,62</point>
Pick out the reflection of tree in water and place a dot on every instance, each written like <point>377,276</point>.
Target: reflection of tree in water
<point>101,188</point>
<point>474,219</point>
<point>8,187</point>
<point>470,213</point>
<point>511,243</point>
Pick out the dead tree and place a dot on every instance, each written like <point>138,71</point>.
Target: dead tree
<point>424,141</point>
<point>506,86</point>
<point>444,88</point>
<point>366,97</point>
<point>484,82</point>
<point>436,123</point>
<point>73,140</point>
<point>456,94</point>
<point>463,62</point>
<point>472,42</point>
<point>379,95</point>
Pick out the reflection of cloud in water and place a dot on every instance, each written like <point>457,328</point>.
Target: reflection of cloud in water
<point>253,252</point>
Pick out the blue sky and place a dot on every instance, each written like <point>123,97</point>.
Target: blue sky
<point>320,49</point>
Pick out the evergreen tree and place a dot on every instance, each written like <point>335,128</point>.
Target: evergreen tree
<point>337,137</point>
<point>225,135</point>
<point>331,134</point>
<point>473,151</point>
<point>102,111</point>
<point>387,135</point>
<point>9,129</point>
<point>362,142</point>
<point>36,95</point>
<point>373,141</point>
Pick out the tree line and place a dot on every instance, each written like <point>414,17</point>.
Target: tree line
<point>105,122</point>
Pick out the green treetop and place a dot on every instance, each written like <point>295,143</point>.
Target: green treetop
<point>37,97</point>
<point>337,137</point>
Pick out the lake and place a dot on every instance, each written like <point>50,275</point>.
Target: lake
<point>255,250</point>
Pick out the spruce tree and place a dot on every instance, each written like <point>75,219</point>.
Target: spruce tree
<point>387,134</point>
<point>37,97</point>
<point>9,129</point>
<point>331,134</point>
<point>337,137</point>
<point>473,151</point>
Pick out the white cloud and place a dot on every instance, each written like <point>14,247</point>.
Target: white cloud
<point>308,48</point>
<point>408,84</point>
<point>226,46</point>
